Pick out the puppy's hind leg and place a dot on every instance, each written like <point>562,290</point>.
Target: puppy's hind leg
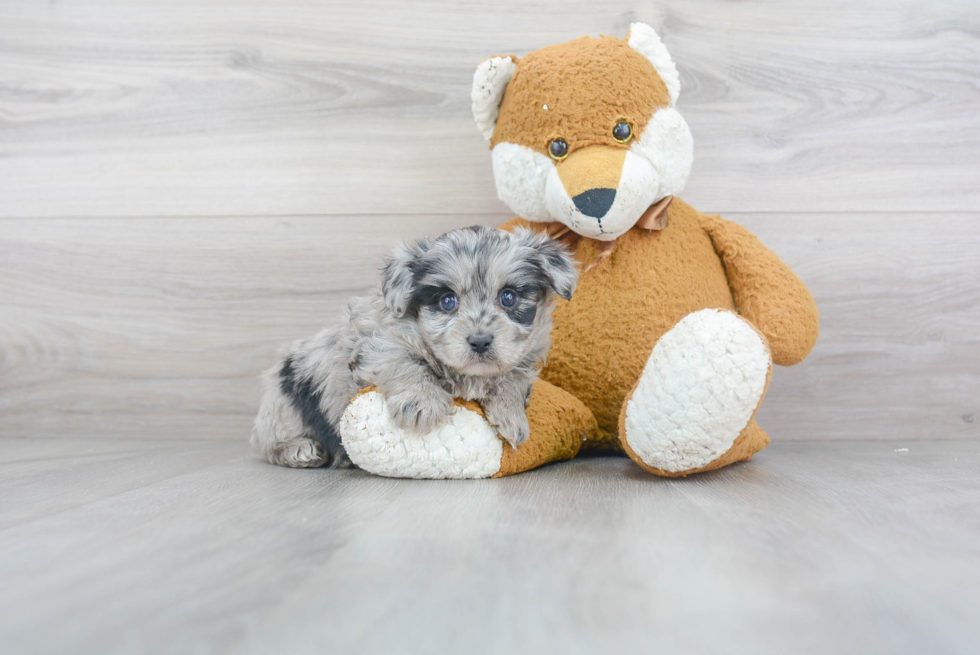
<point>281,437</point>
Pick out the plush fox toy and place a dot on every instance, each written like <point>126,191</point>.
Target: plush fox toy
<point>666,349</point>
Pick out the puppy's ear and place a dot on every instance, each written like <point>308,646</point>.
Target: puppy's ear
<point>556,263</point>
<point>398,279</point>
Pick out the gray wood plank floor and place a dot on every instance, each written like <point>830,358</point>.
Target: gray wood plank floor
<point>125,546</point>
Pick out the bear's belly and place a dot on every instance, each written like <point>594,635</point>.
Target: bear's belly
<point>603,337</point>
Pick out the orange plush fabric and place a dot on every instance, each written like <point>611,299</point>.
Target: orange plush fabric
<point>560,423</point>
<point>766,291</point>
<point>604,335</point>
<point>578,91</point>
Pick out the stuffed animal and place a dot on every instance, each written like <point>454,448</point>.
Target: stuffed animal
<point>665,351</point>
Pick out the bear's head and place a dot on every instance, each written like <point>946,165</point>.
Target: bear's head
<point>585,133</point>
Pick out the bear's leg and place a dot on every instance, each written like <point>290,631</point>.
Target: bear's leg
<point>468,446</point>
<point>692,409</point>
<point>560,424</point>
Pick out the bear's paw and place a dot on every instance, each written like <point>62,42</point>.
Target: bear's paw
<point>700,387</point>
<point>467,447</point>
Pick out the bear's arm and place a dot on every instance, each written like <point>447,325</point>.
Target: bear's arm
<point>766,291</point>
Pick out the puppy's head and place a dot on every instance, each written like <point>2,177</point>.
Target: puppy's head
<point>480,298</point>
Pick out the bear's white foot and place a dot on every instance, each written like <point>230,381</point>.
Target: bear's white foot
<point>466,447</point>
<point>701,385</point>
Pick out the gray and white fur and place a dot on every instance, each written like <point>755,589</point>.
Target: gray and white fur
<point>466,315</point>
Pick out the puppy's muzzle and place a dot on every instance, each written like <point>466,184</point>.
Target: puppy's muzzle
<point>480,343</point>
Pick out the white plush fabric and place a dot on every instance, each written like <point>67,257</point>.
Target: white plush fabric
<point>466,447</point>
<point>521,175</point>
<point>667,144</point>
<point>489,82</point>
<point>697,392</point>
<point>644,40</point>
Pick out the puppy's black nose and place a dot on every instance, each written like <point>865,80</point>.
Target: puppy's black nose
<point>480,343</point>
<point>595,202</point>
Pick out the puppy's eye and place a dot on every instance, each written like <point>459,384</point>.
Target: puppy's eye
<point>508,298</point>
<point>558,149</point>
<point>622,132</point>
<point>449,302</point>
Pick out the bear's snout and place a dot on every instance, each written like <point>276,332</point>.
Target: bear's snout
<point>595,202</point>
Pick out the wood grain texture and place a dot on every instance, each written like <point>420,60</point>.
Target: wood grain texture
<point>149,328</point>
<point>190,184</point>
<point>217,108</point>
<point>121,327</point>
<point>899,347</point>
<point>864,547</point>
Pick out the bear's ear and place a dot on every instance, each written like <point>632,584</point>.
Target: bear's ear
<point>644,40</point>
<point>489,81</point>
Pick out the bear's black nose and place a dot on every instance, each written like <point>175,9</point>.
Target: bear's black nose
<point>595,202</point>
<point>480,343</point>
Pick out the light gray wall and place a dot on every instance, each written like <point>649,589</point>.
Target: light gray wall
<point>184,185</point>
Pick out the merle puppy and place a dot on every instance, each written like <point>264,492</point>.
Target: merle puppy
<point>465,315</point>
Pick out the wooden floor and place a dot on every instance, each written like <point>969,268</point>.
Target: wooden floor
<point>195,547</point>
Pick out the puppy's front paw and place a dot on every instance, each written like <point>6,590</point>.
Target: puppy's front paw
<point>421,414</point>
<point>512,427</point>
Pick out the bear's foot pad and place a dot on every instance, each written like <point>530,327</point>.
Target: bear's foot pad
<point>701,386</point>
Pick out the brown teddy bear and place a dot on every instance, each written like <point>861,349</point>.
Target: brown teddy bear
<point>665,351</point>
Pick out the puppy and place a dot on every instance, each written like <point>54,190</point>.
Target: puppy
<point>466,315</point>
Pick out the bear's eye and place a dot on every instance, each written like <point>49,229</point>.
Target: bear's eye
<point>622,132</point>
<point>508,298</point>
<point>558,149</point>
<point>449,302</point>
